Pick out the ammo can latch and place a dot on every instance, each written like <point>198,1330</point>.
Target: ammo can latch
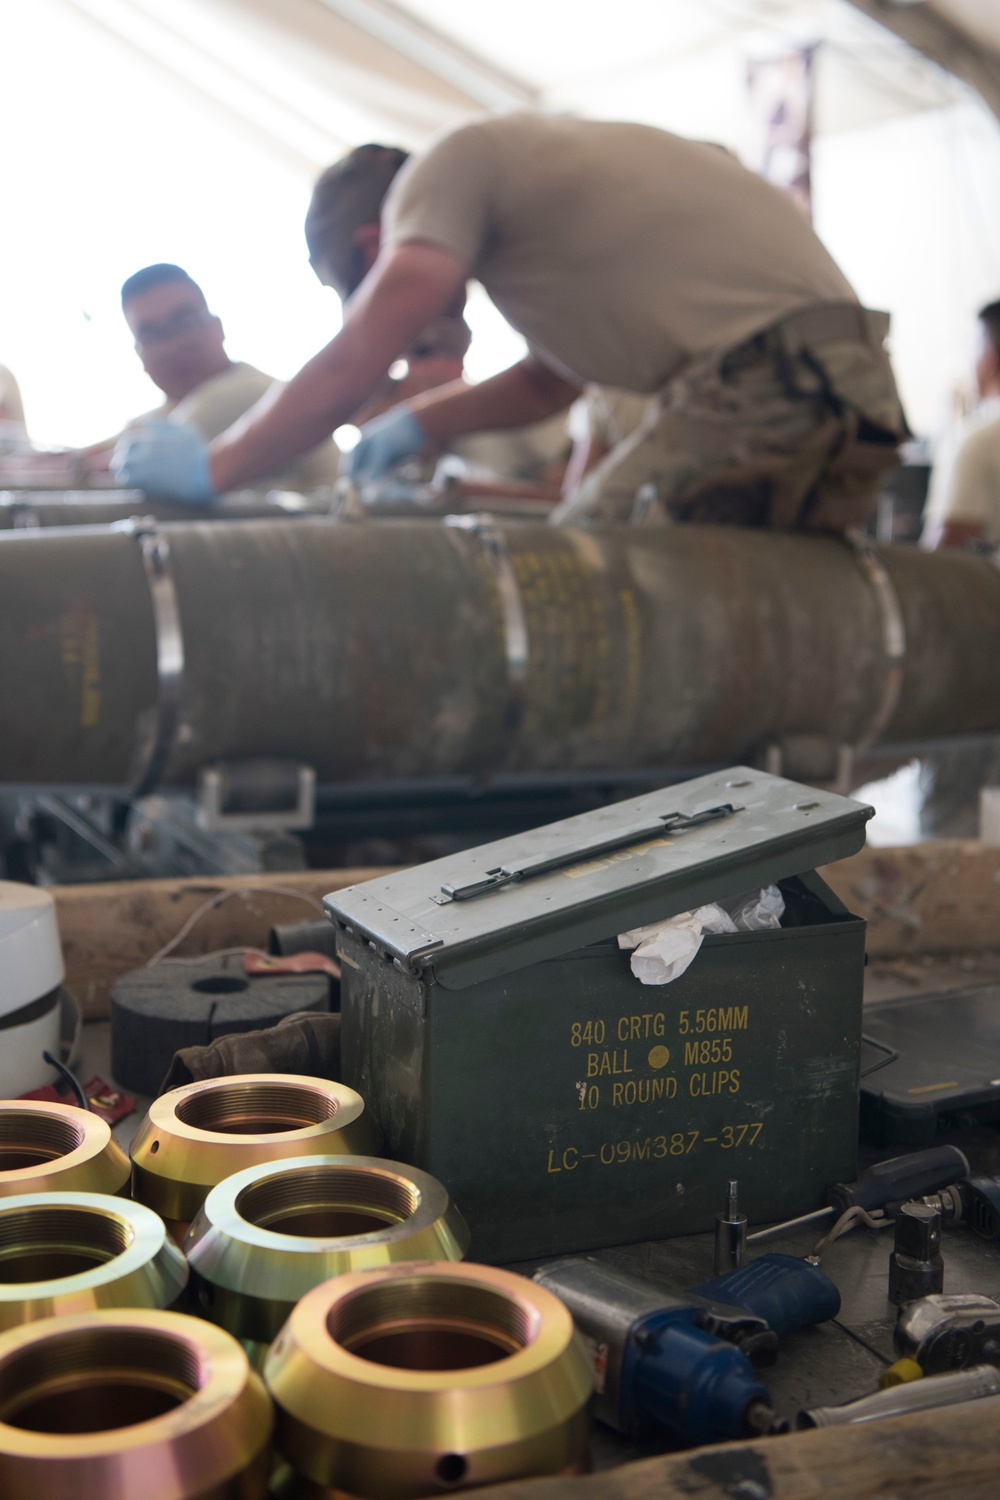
<point>491,880</point>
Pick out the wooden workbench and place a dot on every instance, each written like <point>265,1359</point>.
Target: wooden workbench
<point>922,902</point>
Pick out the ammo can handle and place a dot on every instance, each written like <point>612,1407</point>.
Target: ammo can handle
<point>491,880</point>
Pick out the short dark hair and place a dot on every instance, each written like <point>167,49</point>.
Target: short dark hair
<point>346,196</point>
<point>989,316</point>
<point>150,276</point>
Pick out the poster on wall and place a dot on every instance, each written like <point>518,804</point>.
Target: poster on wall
<point>780,96</point>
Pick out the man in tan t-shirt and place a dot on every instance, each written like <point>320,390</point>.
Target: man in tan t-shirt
<point>343,234</point>
<point>963,506</point>
<point>181,345</point>
<point>627,257</point>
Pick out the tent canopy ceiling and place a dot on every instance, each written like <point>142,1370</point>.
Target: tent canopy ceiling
<point>312,77</point>
<point>979,19</point>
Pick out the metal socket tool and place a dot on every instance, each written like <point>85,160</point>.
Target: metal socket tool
<point>975,1202</point>
<point>130,1403</point>
<point>420,1377</point>
<point>916,1267</point>
<point>730,1234</point>
<point>269,1234</point>
<point>47,1147</point>
<point>195,1136</point>
<point>72,1252</point>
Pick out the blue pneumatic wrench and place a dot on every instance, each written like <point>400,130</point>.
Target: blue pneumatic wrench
<point>682,1362</point>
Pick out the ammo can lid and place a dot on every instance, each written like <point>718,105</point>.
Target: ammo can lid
<point>495,909</point>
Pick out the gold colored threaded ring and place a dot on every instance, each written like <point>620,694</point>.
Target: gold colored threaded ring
<point>57,1147</point>
<point>269,1234</point>
<point>75,1252</point>
<point>150,1404</point>
<point>195,1136</point>
<point>427,1377</point>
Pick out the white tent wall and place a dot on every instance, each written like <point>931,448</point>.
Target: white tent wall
<point>113,162</point>
<point>184,130</point>
<point>910,209</point>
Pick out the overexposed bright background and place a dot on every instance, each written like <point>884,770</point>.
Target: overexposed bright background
<point>107,168</point>
<point>191,130</point>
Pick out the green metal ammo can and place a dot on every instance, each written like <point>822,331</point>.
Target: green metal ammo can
<point>496,1030</point>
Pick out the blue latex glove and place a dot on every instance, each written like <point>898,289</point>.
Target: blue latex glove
<point>385,441</point>
<point>164,458</point>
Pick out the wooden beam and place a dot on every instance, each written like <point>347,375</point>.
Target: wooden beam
<point>938,897</point>
<point>949,1454</point>
<point>110,928</point>
<point>941,897</point>
<point>929,31</point>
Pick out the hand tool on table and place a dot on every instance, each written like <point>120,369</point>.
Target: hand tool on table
<point>974,1201</point>
<point>917,1395</point>
<point>916,1266</point>
<point>730,1234</point>
<point>785,1291</point>
<point>898,1180</point>
<point>948,1331</point>
<point>682,1362</point>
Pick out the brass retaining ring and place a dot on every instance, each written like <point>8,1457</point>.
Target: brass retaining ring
<point>76,1252</point>
<point>269,1234</point>
<point>195,1136</point>
<point>428,1377</point>
<point>144,1404</point>
<point>47,1148</point>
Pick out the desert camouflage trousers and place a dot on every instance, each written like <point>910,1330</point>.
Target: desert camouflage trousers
<point>793,429</point>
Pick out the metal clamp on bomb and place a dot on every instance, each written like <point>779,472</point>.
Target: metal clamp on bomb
<point>418,1378</point>
<point>48,1147</point>
<point>267,1235</point>
<point>69,1252</point>
<point>151,1404</point>
<point>195,1136</point>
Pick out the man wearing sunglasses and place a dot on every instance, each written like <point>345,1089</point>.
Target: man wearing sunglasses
<point>182,347</point>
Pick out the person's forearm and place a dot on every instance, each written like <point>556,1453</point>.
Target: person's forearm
<point>526,392</point>
<point>292,418</point>
<point>406,288</point>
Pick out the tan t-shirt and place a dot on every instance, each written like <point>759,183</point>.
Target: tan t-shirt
<point>617,250</point>
<point>965,479</point>
<point>217,403</point>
